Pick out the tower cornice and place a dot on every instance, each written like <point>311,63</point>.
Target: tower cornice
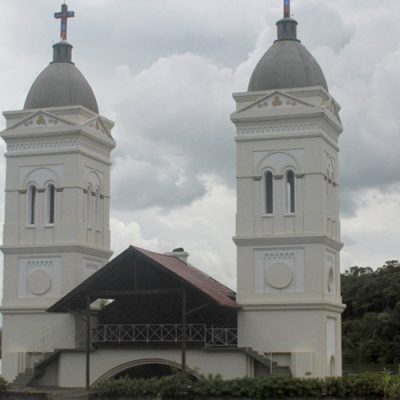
<point>286,240</point>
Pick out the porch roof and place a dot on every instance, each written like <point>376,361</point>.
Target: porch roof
<point>115,279</point>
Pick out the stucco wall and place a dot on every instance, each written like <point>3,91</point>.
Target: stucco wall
<point>106,362</point>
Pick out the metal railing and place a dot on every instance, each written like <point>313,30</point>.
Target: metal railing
<point>48,344</point>
<point>164,333</point>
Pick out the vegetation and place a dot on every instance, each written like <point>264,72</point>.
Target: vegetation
<point>371,321</point>
<point>181,386</point>
<point>3,385</point>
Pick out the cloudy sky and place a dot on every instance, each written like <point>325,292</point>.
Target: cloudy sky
<point>165,70</point>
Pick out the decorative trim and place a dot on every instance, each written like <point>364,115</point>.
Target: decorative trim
<point>22,191</point>
<point>23,309</point>
<point>41,190</point>
<point>42,250</point>
<point>288,240</point>
<point>256,178</point>
<point>255,138</point>
<point>300,176</point>
<point>56,144</point>
<point>335,307</point>
<point>279,128</point>
<point>278,177</point>
<point>59,189</point>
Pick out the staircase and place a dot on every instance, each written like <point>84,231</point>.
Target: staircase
<point>30,375</point>
<point>265,360</point>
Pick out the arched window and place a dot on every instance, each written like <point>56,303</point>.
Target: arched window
<point>269,192</point>
<point>89,208</point>
<point>50,204</point>
<point>97,208</point>
<point>31,205</point>
<point>290,192</point>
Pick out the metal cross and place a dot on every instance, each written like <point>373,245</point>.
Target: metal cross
<point>286,9</point>
<point>64,15</point>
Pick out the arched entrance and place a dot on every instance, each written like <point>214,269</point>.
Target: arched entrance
<point>146,371</point>
<point>145,368</point>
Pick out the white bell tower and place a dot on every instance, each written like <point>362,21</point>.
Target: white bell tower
<point>56,229</point>
<point>287,226</point>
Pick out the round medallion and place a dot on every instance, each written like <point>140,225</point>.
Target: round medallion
<point>279,275</point>
<point>39,282</point>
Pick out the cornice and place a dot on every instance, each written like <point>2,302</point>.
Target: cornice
<point>297,306</point>
<point>56,248</point>
<point>50,134</point>
<point>58,146</point>
<point>288,240</point>
<point>23,309</point>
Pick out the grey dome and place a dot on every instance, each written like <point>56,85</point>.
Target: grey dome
<point>287,64</point>
<point>61,84</point>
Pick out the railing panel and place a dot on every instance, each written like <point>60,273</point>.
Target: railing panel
<point>164,333</point>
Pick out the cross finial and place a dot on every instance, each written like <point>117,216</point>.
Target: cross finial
<point>286,9</point>
<point>64,15</point>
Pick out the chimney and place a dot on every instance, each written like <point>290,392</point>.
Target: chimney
<point>179,253</point>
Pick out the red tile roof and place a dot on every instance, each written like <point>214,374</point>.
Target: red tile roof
<point>186,273</point>
<point>210,286</point>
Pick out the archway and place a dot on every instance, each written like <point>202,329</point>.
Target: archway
<point>145,368</point>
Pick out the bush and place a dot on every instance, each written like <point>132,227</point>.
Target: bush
<point>182,386</point>
<point>3,384</point>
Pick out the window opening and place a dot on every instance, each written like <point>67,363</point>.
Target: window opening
<point>50,203</point>
<point>290,192</point>
<point>97,208</point>
<point>269,192</point>
<point>31,204</point>
<point>89,216</point>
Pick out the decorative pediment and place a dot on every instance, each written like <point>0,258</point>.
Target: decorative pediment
<point>275,101</point>
<point>97,125</point>
<point>330,107</point>
<point>41,119</point>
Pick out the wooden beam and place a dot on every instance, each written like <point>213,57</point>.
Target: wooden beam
<point>88,340</point>
<point>197,309</point>
<point>110,294</point>
<point>184,324</point>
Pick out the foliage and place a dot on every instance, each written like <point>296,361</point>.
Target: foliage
<point>371,321</point>
<point>181,386</point>
<point>3,385</point>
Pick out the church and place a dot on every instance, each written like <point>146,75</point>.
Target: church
<point>72,317</point>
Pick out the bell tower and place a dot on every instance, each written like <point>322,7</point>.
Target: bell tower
<point>287,222</point>
<point>56,229</point>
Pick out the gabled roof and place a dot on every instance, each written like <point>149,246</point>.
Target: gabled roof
<point>111,277</point>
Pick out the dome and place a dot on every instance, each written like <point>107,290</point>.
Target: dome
<point>287,64</point>
<point>61,84</point>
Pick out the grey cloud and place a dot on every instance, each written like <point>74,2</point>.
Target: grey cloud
<point>141,184</point>
<point>321,25</point>
<point>179,104</point>
<point>183,123</point>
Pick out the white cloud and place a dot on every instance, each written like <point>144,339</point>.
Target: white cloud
<point>205,229</point>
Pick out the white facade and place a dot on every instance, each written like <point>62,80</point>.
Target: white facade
<point>56,229</point>
<point>288,229</point>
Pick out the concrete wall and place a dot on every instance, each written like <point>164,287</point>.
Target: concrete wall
<point>108,362</point>
<point>288,262</point>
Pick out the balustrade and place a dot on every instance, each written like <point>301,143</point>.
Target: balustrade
<point>164,333</point>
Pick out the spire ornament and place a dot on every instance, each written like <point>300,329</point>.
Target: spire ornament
<point>64,15</point>
<point>286,9</point>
